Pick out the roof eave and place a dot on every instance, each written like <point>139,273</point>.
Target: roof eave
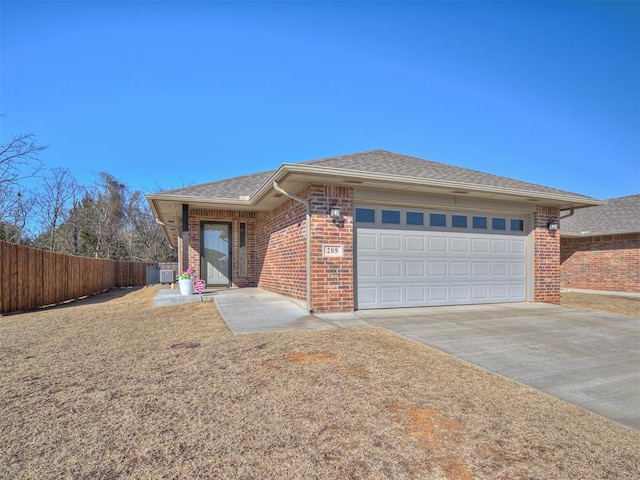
<point>564,201</point>
<point>197,199</point>
<point>156,214</point>
<point>585,234</point>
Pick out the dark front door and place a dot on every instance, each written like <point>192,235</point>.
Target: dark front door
<point>216,253</point>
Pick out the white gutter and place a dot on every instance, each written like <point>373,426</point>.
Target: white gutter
<point>597,233</point>
<point>197,199</point>
<point>306,202</point>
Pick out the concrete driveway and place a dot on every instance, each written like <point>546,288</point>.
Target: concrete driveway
<point>587,358</point>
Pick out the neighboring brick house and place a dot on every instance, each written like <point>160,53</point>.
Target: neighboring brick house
<point>372,230</point>
<point>600,247</point>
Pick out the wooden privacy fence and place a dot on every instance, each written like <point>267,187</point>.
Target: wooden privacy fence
<point>31,278</point>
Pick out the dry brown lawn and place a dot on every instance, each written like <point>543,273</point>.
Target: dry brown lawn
<point>92,390</point>
<point>629,306</point>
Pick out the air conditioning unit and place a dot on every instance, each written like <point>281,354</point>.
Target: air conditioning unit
<point>167,276</point>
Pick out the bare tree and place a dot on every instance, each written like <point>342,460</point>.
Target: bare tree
<point>17,212</point>
<point>56,192</point>
<point>19,159</point>
<point>103,218</point>
<point>106,219</point>
<point>147,241</point>
<point>18,162</point>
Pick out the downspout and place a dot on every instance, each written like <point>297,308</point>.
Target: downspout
<point>572,211</point>
<point>306,202</point>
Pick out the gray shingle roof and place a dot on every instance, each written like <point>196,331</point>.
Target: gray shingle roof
<point>229,188</point>
<point>618,215</point>
<point>382,161</point>
<point>375,161</point>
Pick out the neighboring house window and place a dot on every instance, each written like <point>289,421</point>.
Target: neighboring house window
<point>517,225</point>
<point>479,222</point>
<point>365,215</point>
<point>498,224</point>
<point>459,221</point>
<point>242,251</point>
<point>438,220</point>
<point>390,216</point>
<point>415,218</point>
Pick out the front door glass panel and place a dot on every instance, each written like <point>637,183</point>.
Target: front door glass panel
<point>216,253</point>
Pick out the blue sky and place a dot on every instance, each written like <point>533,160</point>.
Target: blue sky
<point>162,94</point>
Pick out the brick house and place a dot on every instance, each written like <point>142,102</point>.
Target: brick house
<point>600,247</point>
<point>372,230</point>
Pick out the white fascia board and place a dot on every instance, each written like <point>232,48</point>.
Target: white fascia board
<point>190,199</point>
<point>152,204</point>
<point>268,184</point>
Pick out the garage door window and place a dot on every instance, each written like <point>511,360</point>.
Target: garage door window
<point>391,216</point>
<point>459,221</point>
<point>365,215</point>
<point>480,222</point>
<point>517,225</point>
<point>498,224</point>
<point>415,218</point>
<point>438,220</point>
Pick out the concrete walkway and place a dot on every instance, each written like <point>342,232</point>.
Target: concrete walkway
<point>586,358</point>
<point>172,296</point>
<point>602,292</point>
<point>254,310</point>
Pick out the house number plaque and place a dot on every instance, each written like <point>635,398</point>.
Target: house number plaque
<point>333,250</point>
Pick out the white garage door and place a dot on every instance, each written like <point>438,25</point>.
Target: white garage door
<point>413,257</point>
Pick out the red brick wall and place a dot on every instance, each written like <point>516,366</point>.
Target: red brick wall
<point>277,249</point>
<point>608,262</point>
<point>546,262</point>
<point>332,277</point>
<point>198,215</point>
<point>281,250</point>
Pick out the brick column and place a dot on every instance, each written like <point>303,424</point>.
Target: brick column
<point>546,257</point>
<point>332,283</point>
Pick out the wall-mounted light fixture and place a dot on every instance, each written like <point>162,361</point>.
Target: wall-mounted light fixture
<point>553,225</point>
<point>334,211</point>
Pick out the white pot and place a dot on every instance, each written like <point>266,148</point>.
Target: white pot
<point>186,286</point>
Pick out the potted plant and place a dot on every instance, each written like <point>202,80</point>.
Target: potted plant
<point>185,281</point>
